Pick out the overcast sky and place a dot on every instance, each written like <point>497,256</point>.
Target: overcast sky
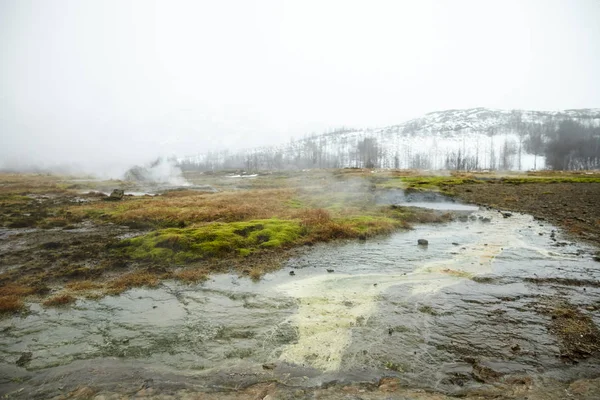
<point>98,82</point>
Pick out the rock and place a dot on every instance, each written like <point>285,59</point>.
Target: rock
<point>422,242</point>
<point>116,195</point>
<point>269,366</point>
<point>463,218</point>
<point>292,273</point>
<point>515,347</point>
<point>486,220</point>
<point>24,359</point>
<point>455,244</point>
<point>147,383</point>
<point>506,214</point>
<point>330,270</point>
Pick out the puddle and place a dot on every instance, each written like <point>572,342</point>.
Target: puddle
<point>429,200</point>
<point>444,206</point>
<point>435,316</point>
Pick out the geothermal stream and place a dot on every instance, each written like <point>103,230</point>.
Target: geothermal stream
<point>430,315</point>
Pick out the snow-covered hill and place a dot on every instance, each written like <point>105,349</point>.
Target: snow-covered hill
<point>477,138</point>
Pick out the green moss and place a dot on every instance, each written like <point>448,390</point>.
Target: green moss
<point>240,239</point>
<point>244,252</point>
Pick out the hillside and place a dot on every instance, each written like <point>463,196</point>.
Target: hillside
<point>469,139</point>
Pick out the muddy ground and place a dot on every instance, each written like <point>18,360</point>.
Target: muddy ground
<point>575,207</point>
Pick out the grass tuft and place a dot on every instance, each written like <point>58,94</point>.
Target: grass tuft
<point>16,290</point>
<point>60,299</point>
<point>10,304</point>
<point>132,279</point>
<point>191,275</point>
<point>78,286</point>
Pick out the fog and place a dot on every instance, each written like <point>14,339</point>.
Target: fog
<point>96,86</point>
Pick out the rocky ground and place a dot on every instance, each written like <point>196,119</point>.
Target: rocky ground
<point>386,388</point>
<point>575,207</point>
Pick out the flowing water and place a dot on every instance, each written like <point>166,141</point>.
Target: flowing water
<point>435,316</point>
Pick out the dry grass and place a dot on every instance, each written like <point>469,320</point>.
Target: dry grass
<point>12,289</point>
<point>31,183</point>
<point>256,273</point>
<point>188,207</point>
<point>322,227</point>
<point>191,275</point>
<point>10,304</point>
<point>132,279</point>
<point>60,299</point>
<point>79,286</point>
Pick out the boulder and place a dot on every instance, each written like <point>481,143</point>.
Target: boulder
<point>116,195</point>
<point>422,242</point>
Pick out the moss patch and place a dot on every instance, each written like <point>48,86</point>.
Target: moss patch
<point>182,245</point>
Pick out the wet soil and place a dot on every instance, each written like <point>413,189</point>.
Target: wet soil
<point>575,207</point>
<point>486,310</point>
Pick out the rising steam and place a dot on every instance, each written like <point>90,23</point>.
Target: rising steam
<point>161,171</point>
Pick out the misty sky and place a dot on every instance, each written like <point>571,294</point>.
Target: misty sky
<point>94,83</point>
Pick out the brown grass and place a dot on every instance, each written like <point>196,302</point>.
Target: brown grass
<point>256,273</point>
<point>60,299</point>
<point>322,227</point>
<point>191,275</point>
<point>9,304</point>
<point>12,289</point>
<point>133,279</point>
<point>30,183</point>
<point>78,286</point>
<point>189,207</point>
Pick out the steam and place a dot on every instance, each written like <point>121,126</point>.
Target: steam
<point>160,171</point>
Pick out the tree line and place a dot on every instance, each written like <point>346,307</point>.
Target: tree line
<point>565,144</point>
